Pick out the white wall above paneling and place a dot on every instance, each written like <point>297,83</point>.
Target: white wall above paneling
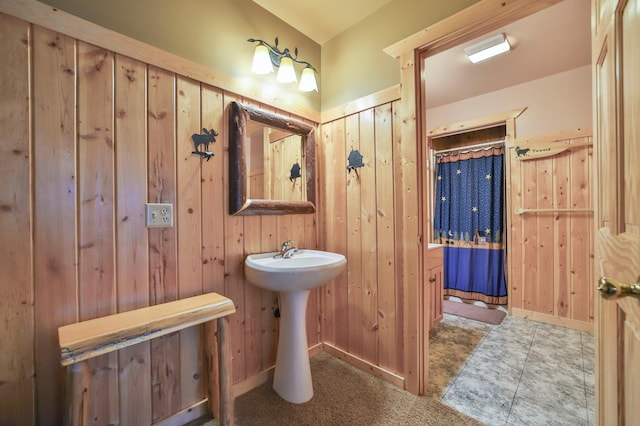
<point>556,103</point>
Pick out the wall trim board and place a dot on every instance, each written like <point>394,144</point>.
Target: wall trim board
<point>475,20</point>
<point>366,102</point>
<point>557,136</point>
<point>54,19</point>
<point>553,320</point>
<point>475,123</point>
<point>189,414</point>
<point>266,375</point>
<point>365,366</point>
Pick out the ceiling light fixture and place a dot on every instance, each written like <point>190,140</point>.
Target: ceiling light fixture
<point>266,57</point>
<point>488,48</point>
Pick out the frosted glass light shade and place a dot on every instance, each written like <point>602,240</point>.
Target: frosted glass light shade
<point>488,48</point>
<point>261,60</point>
<point>286,73</point>
<point>308,80</point>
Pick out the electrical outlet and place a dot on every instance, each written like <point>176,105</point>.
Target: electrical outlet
<point>159,215</point>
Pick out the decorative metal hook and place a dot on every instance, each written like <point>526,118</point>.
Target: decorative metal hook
<point>295,172</point>
<point>355,161</point>
<point>204,139</point>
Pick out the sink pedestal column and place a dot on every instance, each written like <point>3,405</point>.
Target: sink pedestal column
<point>292,376</point>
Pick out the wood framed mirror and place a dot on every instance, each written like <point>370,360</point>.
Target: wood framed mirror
<point>264,150</point>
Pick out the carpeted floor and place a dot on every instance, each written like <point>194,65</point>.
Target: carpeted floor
<point>345,395</point>
<point>449,348</point>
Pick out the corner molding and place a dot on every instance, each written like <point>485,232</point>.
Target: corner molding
<point>366,102</point>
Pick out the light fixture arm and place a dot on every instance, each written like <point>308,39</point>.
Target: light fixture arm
<point>276,55</point>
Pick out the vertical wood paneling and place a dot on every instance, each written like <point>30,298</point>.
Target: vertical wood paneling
<point>92,254</point>
<point>372,306</point>
<point>530,240</point>
<point>387,298</point>
<point>213,212</point>
<point>398,223</point>
<point>545,234</point>
<point>561,237</point>
<point>354,239</point>
<point>314,315</point>
<point>338,240</point>
<point>54,217</point>
<point>581,230</point>
<point>551,253</point>
<point>163,279</point>
<point>253,301</point>
<point>407,210</point>
<point>234,289</point>
<point>326,151</point>
<point>268,299</point>
<point>368,234</point>
<point>515,273</point>
<point>132,272</point>
<point>188,221</point>
<point>96,214</point>
<point>17,400</point>
<point>213,193</point>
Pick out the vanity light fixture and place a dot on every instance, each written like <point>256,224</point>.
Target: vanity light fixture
<point>266,57</point>
<point>488,48</point>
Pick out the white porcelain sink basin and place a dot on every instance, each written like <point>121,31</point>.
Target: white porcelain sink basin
<point>305,270</point>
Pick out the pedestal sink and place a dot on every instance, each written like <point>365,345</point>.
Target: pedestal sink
<point>293,278</point>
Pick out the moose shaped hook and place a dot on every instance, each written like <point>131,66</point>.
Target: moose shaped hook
<point>205,139</point>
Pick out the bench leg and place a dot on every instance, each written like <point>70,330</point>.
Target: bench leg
<point>225,373</point>
<point>77,394</point>
<point>211,347</point>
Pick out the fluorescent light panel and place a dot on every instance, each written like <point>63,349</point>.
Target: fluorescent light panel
<point>488,48</point>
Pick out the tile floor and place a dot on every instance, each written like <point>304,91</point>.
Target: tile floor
<point>526,373</point>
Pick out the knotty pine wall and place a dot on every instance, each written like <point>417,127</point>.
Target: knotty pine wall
<point>360,214</point>
<point>551,254</point>
<point>89,136</point>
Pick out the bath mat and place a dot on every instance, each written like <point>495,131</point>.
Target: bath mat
<point>478,313</point>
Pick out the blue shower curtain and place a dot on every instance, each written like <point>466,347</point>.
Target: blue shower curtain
<point>469,221</point>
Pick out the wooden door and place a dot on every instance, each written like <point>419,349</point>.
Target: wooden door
<point>616,59</point>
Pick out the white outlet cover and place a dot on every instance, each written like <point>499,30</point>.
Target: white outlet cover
<point>159,215</point>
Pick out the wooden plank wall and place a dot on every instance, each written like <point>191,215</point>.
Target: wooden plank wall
<point>362,313</point>
<point>551,254</point>
<point>88,137</point>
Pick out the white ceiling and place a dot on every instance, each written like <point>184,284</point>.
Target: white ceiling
<point>551,41</point>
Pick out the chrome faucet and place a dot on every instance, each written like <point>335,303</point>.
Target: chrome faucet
<point>286,251</point>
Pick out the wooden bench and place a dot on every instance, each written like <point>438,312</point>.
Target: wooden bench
<point>84,340</point>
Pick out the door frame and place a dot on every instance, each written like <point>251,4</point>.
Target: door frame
<point>478,19</point>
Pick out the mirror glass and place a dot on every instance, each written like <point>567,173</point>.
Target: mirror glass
<point>274,164</point>
<point>271,163</point>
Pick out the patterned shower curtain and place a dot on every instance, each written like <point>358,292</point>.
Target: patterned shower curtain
<point>469,221</point>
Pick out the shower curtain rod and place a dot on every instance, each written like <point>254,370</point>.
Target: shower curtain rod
<point>471,147</point>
